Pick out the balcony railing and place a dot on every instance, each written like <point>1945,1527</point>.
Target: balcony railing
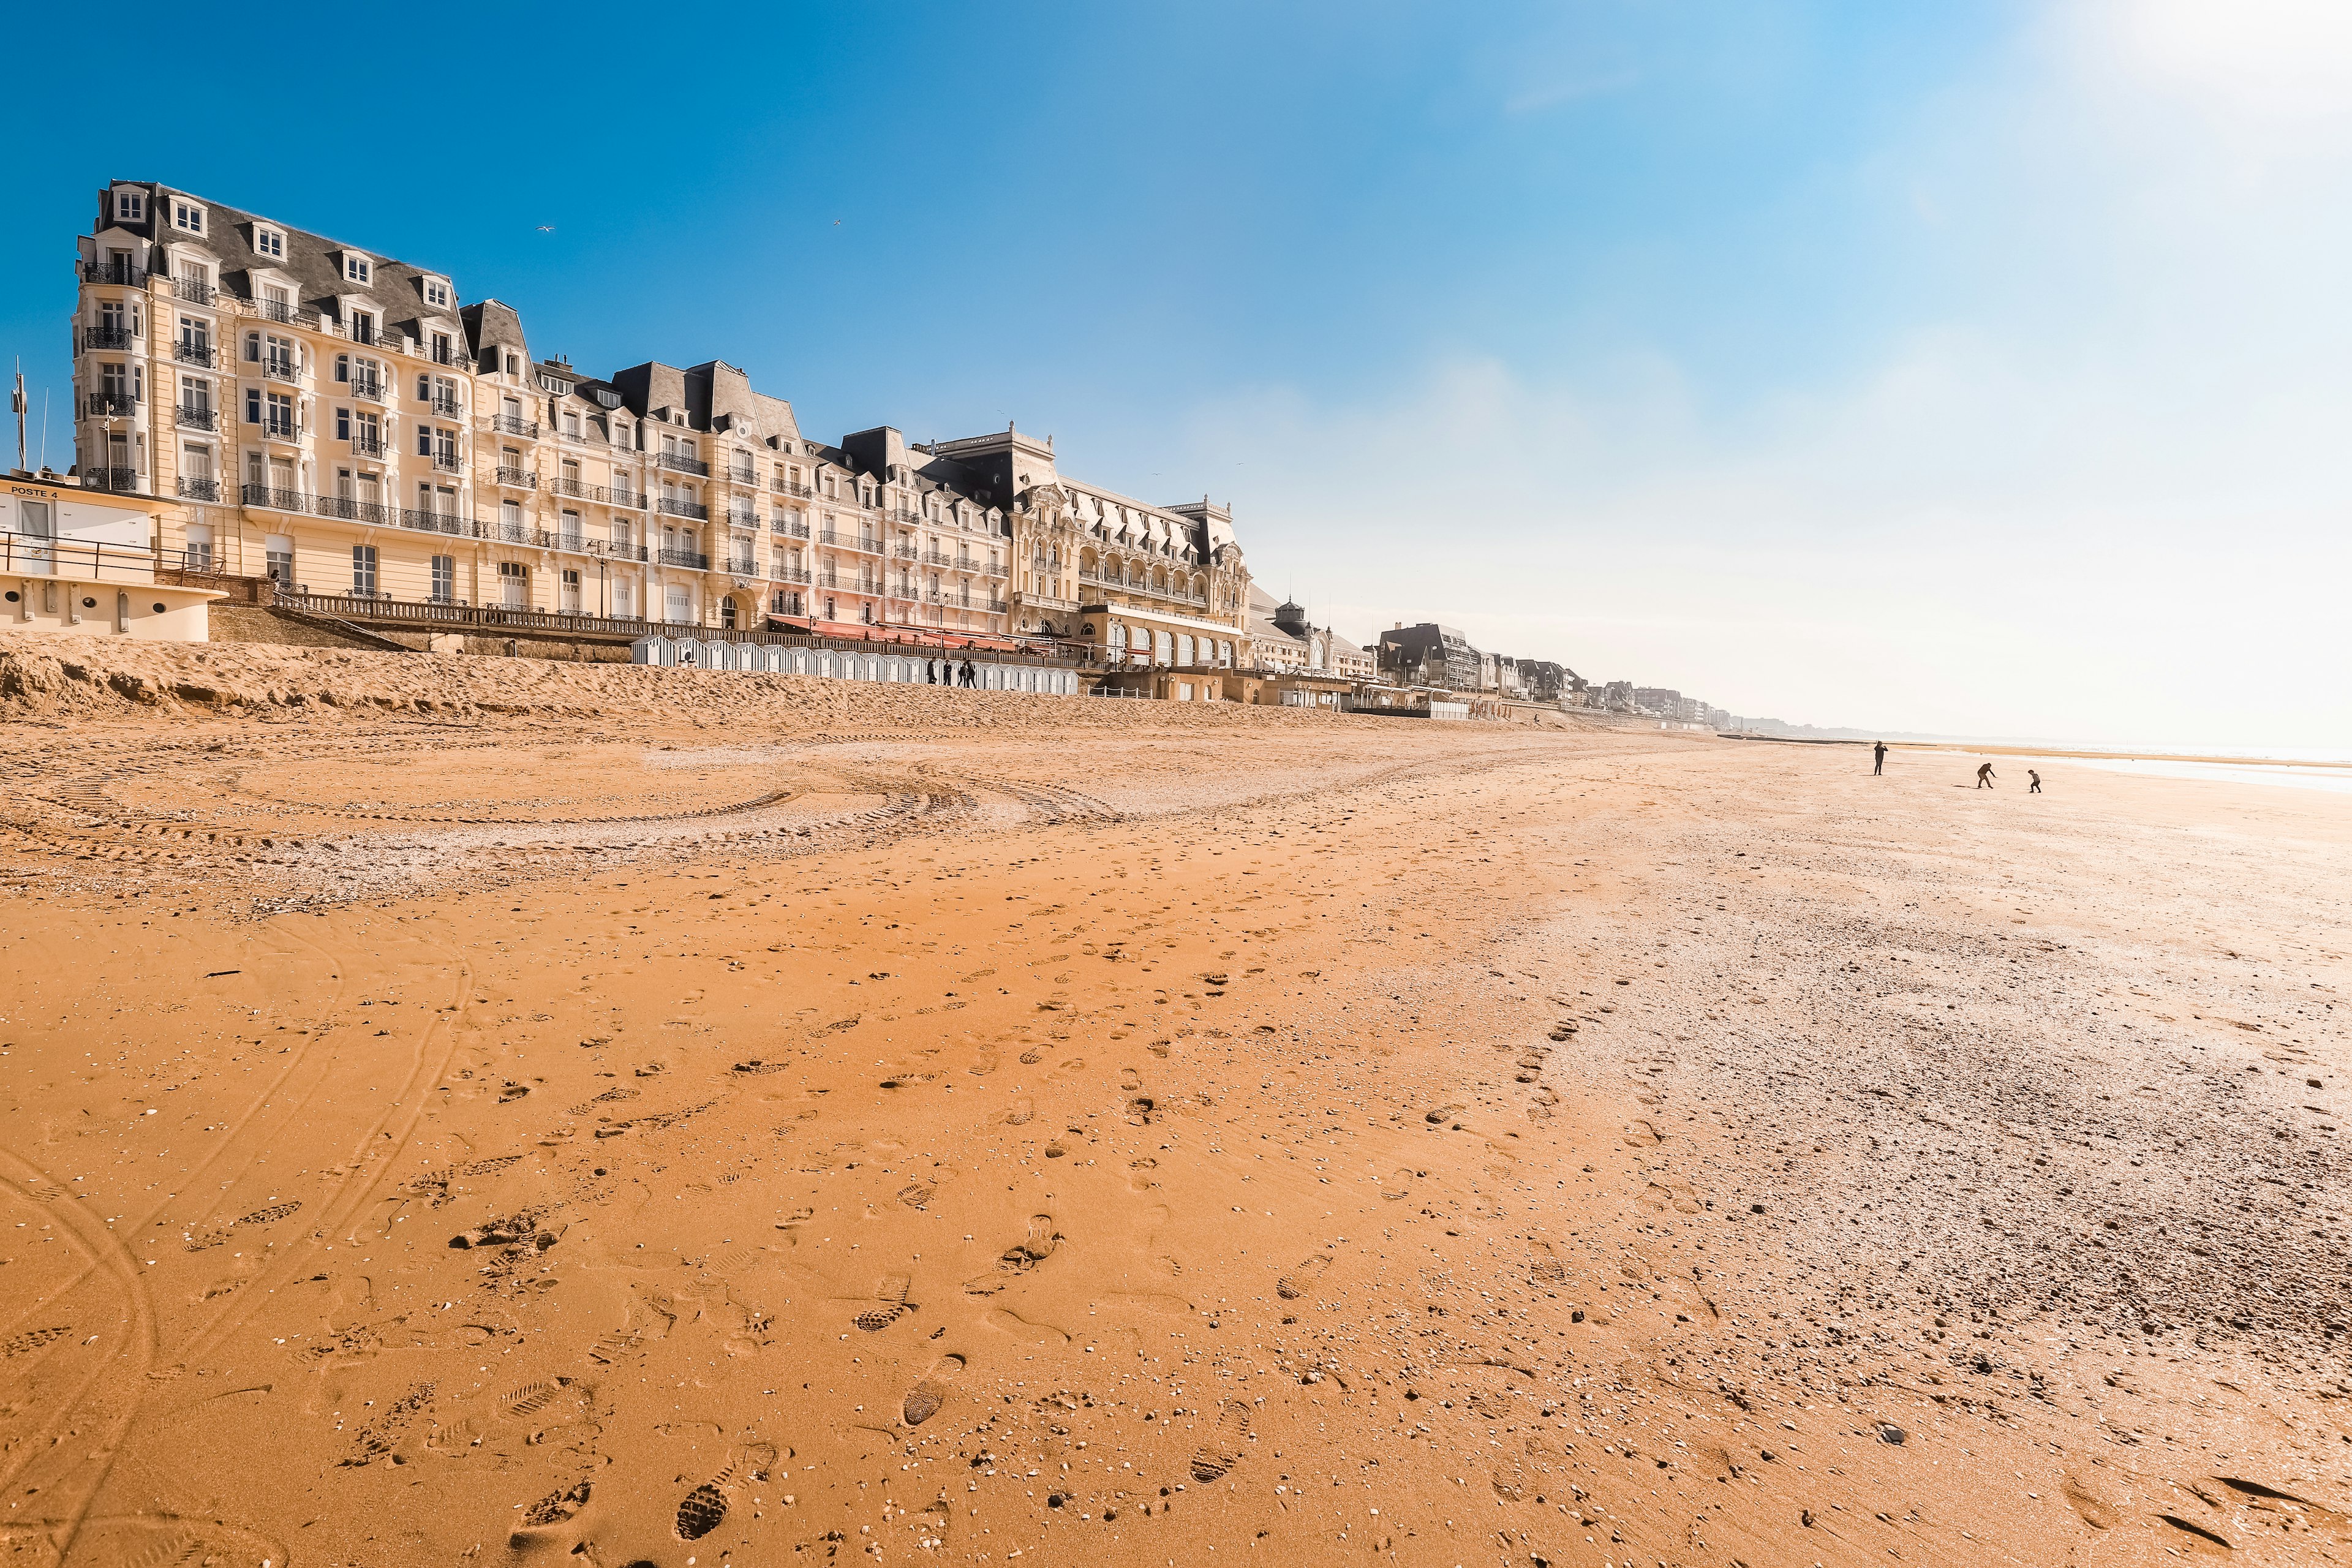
<point>445,460</point>
<point>789,528</point>
<point>195,488</point>
<point>366,445</point>
<point>443,404</point>
<point>369,388</point>
<point>284,311</point>
<point>274,500</point>
<point>677,506</point>
<point>618,550</point>
<point>742,516</point>
<point>791,575</point>
<point>742,474</point>
<point>350,509</point>
<point>187,353</point>
<point>429,521</point>
<point>280,430</point>
<point>513,424</point>
<point>281,369</point>
<point>694,559</point>
<point>802,492</point>
<point>194,290</point>
<point>446,354</point>
<point>521,479</point>
<point>935,558</point>
<point>361,330</point>
<point>679,463</point>
<point>102,404</point>
<point>121,480</point>
<point>120,273</point>
<point>106,337</point>
<point>198,418</point>
<point>905,552</point>
<point>506,532</point>
<point>742,566</point>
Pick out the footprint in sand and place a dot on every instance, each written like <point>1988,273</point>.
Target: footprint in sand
<point>1398,1184</point>
<point>1021,1257</point>
<point>1641,1135</point>
<point>706,1505</point>
<point>890,1305</point>
<point>1222,1449</point>
<point>1671,1193</point>
<point>1139,1174</point>
<point>1543,1266</point>
<point>1031,1059</point>
<point>915,1195</point>
<point>1295,1283</point>
<point>556,1507</point>
<point>32,1339</point>
<point>925,1399</point>
<point>1139,1110</point>
<point>1022,1110</point>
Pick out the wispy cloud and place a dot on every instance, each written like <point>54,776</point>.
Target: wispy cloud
<point>1573,89</point>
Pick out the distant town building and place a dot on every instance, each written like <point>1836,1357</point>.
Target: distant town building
<point>1430,655</point>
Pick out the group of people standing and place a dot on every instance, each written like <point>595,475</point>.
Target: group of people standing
<point>946,672</point>
<point>1985,775</point>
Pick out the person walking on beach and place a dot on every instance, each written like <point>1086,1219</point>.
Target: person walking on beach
<point>1984,775</point>
<point>970,675</point>
<point>2036,787</point>
<point>1879,758</point>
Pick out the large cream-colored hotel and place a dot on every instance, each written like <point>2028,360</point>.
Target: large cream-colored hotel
<point>340,420</point>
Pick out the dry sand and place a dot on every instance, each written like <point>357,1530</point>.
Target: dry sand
<point>677,1118</point>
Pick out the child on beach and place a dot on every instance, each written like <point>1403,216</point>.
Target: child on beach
<point>1984,775</point>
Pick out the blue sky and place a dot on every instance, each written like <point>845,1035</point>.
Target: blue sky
<point>1971,368</point>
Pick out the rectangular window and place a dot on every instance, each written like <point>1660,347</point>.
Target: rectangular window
<point>130,207</point>
<point>343,423</point>
<point>436,293</point>
<point>444,579</point>
<point>253,405</point>
<point>270,243</point>
<point>424,441</point>
<point>278,556</point>
<point>363,571</point>
<point>355,268</point>
<point>423,389</point>
<point>189,217</point>
<point>281,415</point>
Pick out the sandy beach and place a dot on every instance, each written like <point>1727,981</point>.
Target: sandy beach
<point>479,1110</point>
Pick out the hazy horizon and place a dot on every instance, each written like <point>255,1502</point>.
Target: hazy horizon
<point>1973,373</point>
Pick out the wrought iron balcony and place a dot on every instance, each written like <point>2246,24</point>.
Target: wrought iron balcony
<point>105,402</point>
<point>677,506</point>
<point>106,337</point>
<point>194,290</point>
<point>444,404</point>
<point>679,463</point>
<point>191,418</point>
<point>121,479</point>
<point>802,491</point>
<point>521,479</point>
<point>742,515</point>
<point>742,566</point>
<point>193,488</point>
<point>429,521</point>
<point>350,509</point>
<point>281,369</point>
<point>284,311</point>
<point>446,354</point>
<point>905,552</point>
<point>790,528</point>
<point>370,388</point>
<point>445,460</point>
<point>273,500</point>
<point>903,514</point>
<point>121,274</point>
<point>514,425</point>
<point>996,606</point>
<point>937,558</point>
<point>742,474</point>
<point>361,330</point>
<point>187,353</point>
<point>791,575</point>
<point>693,558</point>
<point>618,550</point>
<point>367,446</point>
<point>280,430</point>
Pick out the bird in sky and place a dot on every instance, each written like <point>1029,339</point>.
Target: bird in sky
<point>547,228</point>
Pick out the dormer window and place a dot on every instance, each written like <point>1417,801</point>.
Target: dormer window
<point>270,242</point>
<point>356,269</point>
<point>188,217</point>
<point>131,207</point>
<point>437,293</point>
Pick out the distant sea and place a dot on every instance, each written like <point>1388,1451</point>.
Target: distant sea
<point>2278,770</point>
